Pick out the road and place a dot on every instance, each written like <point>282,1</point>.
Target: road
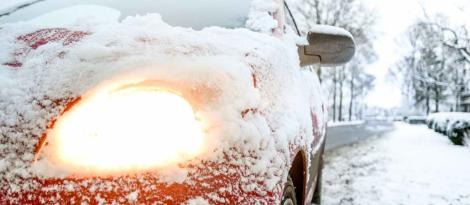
<point>338,136</point>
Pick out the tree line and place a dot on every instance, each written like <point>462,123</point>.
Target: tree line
<point>435,71</point>
<point>347,85</point>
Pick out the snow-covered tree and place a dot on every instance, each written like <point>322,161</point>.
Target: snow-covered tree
<point>435,70</point>
<point>349,84</point>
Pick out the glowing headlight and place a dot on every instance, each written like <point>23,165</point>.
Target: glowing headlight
<point>126,130</point>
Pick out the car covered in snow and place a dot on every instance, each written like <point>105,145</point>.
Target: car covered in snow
<point>415,119</point>
<point>162,102</point>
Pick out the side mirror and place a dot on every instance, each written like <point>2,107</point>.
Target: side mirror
<point>328,45</point>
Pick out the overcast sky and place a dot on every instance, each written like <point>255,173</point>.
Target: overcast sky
<point>394,18</point>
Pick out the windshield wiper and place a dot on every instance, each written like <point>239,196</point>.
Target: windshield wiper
<point>11,11</point>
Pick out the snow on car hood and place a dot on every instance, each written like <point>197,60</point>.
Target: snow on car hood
<point>258,103</point>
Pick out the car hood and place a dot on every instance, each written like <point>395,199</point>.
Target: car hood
<point>248,85</point>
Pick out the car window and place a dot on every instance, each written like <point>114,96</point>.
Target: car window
<point>196,14</point>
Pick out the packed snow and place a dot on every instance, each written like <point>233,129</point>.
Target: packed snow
<point>253,99</point>
<point>345,123</point>
<point>411,165</point>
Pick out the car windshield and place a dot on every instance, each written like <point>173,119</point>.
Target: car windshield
<point>196,14</point>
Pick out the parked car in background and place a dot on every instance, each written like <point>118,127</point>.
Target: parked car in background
<point>465,102</point>
<point>162,102</point>
<point>415,119</point>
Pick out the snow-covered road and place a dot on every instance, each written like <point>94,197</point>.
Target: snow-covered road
<point>343,134</point>
<point>411,165</point>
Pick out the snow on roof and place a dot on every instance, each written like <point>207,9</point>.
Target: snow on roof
<point>260,17</point>
<point>416,117</point>
<point>345,123</point>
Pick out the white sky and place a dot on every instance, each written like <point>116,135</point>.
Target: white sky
<point>394,17</point>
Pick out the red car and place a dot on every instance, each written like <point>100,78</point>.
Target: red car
<point>162,102</point>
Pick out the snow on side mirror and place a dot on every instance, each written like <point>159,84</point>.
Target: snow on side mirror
<point>328,45</point>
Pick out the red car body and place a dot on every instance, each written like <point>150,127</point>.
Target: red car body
<point>210,181</point>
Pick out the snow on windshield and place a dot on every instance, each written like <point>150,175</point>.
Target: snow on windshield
<point>196,14</point>
<point>75,14</point>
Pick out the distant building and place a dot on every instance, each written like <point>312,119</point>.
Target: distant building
<point>465,102</point>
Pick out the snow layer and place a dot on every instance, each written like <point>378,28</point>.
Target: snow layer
<point>261,15</point>
<point>254,98</point>
<point>345,123</point>
<point>197,201</point>
<point>326,29</point>
<point>412,165</point>
<point>449,117</point>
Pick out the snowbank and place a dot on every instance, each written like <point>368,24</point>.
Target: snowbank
<point>448,117</point>
<point>345,123</point>
<point>455,125</point>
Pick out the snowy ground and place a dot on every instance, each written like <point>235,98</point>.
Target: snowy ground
<point>411,165</point>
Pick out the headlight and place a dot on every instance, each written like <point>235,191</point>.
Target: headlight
<point>131,129</point>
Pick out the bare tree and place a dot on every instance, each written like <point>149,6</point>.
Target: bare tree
<point>341,81</point>
<point>357,18</point>
<point>335,81</point>
<point>351,93</point>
